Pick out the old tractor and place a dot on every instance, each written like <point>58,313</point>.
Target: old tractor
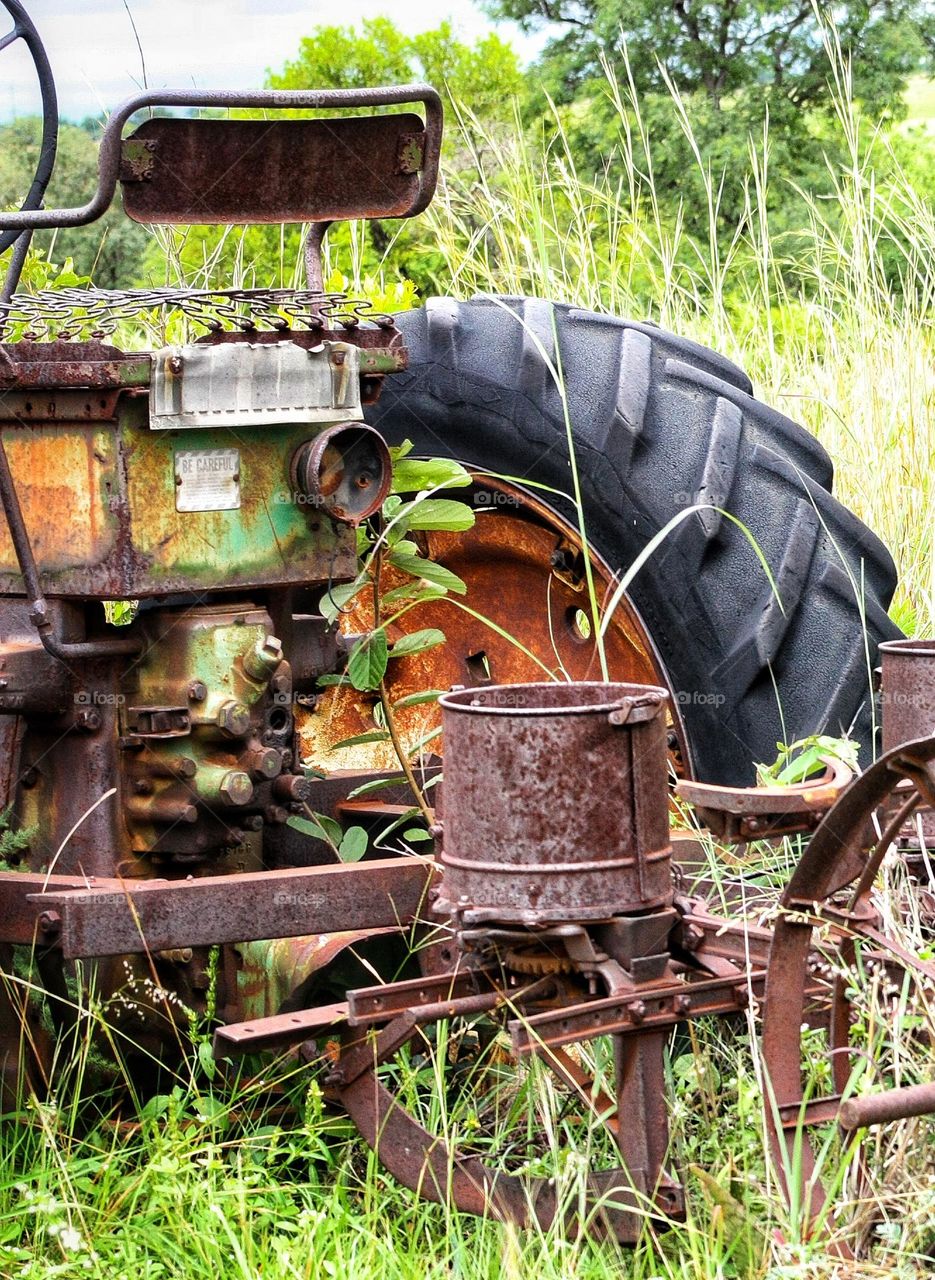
<point>154,772</point>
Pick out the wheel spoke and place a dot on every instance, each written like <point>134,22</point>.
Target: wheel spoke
<point>10,38</point>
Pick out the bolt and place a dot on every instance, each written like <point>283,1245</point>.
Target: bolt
<point>683,1004</point>
<point>142,787</point>
<point>29,778</point>
<point>276,815</point>
<point>234,718</point>
<point>637,1011</point>
<point>292,786</point>
<point>50,921</point>
<point>281,683</point>
<point>197,691</point>
<point>236,788</point>
<point>262,660</point>
<point>175,364</point>
<point>741,997</point>
<point>265,762</point>
<point>88,720</point>
<point>253,822</point>
<point>692,937</point>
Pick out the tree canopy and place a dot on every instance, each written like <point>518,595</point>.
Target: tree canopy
<point>720,48</point>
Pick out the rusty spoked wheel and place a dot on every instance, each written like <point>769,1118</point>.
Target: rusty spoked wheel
<point>849,1017</point>
<point>460,1120</point>
<point>526,616</point>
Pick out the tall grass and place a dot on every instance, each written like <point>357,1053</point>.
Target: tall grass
<point>833,322</point>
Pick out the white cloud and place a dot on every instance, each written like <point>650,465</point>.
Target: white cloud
<point>205,44</point>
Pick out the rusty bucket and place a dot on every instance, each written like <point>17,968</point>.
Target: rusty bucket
<point>908,701</point>
<point>555,802</point>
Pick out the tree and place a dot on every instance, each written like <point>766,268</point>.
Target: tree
<point>719,48</point>
<point>485,76</point>
<point>108,250</point>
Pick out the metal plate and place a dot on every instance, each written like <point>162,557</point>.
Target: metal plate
<point>247,171</point>
<point>207,479</point>
<point>254,384</point>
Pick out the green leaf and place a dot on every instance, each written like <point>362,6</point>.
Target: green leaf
<point>335,600</point>
<point>206,1059</point>
<point>414,592</point>
<point>376,784</point>
<point>416,835</point>
<point>425,740</point>
<point>354,845</point>
<point>406,546</point>
<point>417,642</point>
<point>367,663</point>
<point>443,514</point>
<point>412,475</point>
<point>375,735</point>
<point>399,451</point>
<point>320,827</point>
<point>428,571</point>
<point>414,699</point>
<point>326,682</point>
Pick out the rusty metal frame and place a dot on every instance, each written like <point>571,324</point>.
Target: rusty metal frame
<point>109,156</point>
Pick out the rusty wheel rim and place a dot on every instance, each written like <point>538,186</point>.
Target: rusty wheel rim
<point>525,617</point>
<point>483,1154</point>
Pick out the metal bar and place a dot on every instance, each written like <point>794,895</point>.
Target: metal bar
<point>108,164</point>
<point>796,1115</point>
<point>371,1004</point>
<point>277,1032</point>
<point>23,901</point>
<point>156,915</point>
<point>883,1108</point>
<point>640,1010</point>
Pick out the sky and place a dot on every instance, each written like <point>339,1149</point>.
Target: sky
<point>204,44</point>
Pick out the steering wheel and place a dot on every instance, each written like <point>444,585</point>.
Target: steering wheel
<point>24,29</point>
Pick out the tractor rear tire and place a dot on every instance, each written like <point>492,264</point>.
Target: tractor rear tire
<point>660,423</point>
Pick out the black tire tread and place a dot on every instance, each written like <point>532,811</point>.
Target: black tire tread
<point>659,423</point>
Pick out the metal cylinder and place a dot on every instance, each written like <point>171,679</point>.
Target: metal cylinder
<point>555,802</point>
<point>908,702</point>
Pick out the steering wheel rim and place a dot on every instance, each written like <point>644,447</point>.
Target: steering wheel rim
<point>24,29</point>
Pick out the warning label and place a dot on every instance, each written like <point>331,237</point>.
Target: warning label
<point>207,479</point>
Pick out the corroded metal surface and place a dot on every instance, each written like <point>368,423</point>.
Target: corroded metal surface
<point>110,149</point>
<point>258,171</point>
<point>526,619</point>
<point>123,536</point>
<point>155,915</point>
<point>908,702</point>
<point>758,813</point>
<point>828,919</point>
<point>575,826</point>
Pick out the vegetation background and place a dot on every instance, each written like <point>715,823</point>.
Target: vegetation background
<point>755,175</point>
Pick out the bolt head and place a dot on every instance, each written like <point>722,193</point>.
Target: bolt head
<point>234,718</point>
<point>88,720</point>
<point>197,691</point>
<point>236,788</point>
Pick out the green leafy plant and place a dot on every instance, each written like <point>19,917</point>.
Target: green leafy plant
<point>806,758</point>
<point>388,542</point>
